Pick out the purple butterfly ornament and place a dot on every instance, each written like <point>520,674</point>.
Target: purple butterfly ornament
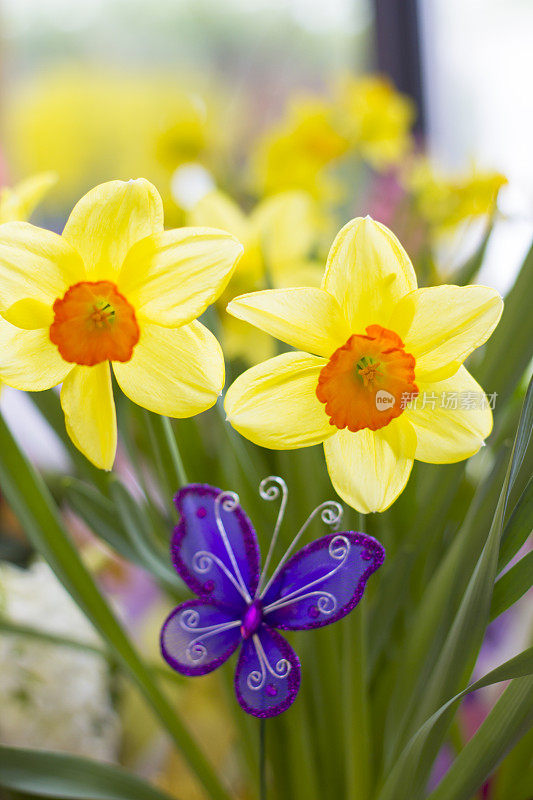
<point>215,551</point>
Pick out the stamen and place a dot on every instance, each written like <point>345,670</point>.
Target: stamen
<point>368,372</point>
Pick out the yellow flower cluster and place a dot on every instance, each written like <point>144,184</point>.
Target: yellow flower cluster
<point>278,236</point>
<point>365,117</point>
<point>117,290</point>
<point>444,200</point>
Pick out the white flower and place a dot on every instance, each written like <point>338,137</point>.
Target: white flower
<point>52,696</point>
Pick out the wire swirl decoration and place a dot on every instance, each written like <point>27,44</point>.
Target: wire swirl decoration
<point>257,678</point>
<point>196,650</point>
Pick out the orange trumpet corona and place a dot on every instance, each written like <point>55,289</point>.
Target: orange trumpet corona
<point>365,382</point>
<point>93,322</point>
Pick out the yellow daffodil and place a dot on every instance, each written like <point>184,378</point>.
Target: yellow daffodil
<point>444,200</point>
<point>294,154</point>
<point>114,287</point>
<point>278,237</point>
<point>377,119</point>
<point>380,380</point>
<point>18,202</point>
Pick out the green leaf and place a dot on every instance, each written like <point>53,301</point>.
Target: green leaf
<point>512,585</point>
<point>405,779</point>
<point>137,527</point>
<point>514,777</point>
<point>433,616</point>
<point>98,513</point>
<point>127,533</point>
<point>467,272</point>
<point>170,467</point>
<point>466,634</point>
<point>509,720</point>
<point>49,774</point>
<point>518,527</point>
<point>508,351</point>
<point>31,501</point>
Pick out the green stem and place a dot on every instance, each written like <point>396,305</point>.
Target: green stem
<point>356,711</point>
<point>168,460</point>
<point>175,454</point>
<point>262,760</point>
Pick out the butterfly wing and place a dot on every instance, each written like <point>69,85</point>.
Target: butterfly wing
<point>210,567</point>
<point>267,678</point>
<point>198,636</point>
<point>322,582</point>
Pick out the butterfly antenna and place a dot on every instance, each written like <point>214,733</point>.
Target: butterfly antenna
<point>270,489</point>
<point>331,515</point>
<point>228,501</point>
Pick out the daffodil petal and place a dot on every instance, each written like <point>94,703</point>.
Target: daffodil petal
<point>29,314</point>
<point>108,220</point>
<point>172,277</point>
<point>285,226</point>
<point>29,360</point>
<point>368,271</point>
<point>309,318</point>
<point>274,404</point>
<point>178,372</point>
<point>369,469</point>
<point>217,210</point>
<point>451,418</point>
<point>441,325</point>
<point>89,408</point>
<point>35,263</point>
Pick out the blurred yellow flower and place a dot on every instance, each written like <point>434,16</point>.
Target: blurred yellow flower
<point>89,123</point>
<point>115,287</point>
<point>381,381</point>
<point>278,237</point>
<point>18,202</point>
<point>444,200</point>
<point>294,153</point>
<point>377,119</point>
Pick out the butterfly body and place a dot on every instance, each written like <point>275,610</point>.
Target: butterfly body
<point>214,549</point>
<point>253,616</point>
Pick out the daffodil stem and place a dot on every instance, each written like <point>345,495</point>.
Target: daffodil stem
<point>175,454</point>
<point>262,760</point>
<point>356,712</point>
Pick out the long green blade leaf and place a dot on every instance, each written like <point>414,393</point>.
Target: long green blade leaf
<point>512,585</point>
<point>49,774</point>
<point>404,780</point>
<point>509,720</point>
<point>31,501</point>
<point>466,633</point>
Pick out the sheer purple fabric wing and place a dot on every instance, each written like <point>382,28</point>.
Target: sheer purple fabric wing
<point>199,553</point>
<point>322,582</point>
<point>197,637</point>
<point>268,674</point>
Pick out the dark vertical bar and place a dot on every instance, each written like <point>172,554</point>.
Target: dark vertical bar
<point>398,52</point>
